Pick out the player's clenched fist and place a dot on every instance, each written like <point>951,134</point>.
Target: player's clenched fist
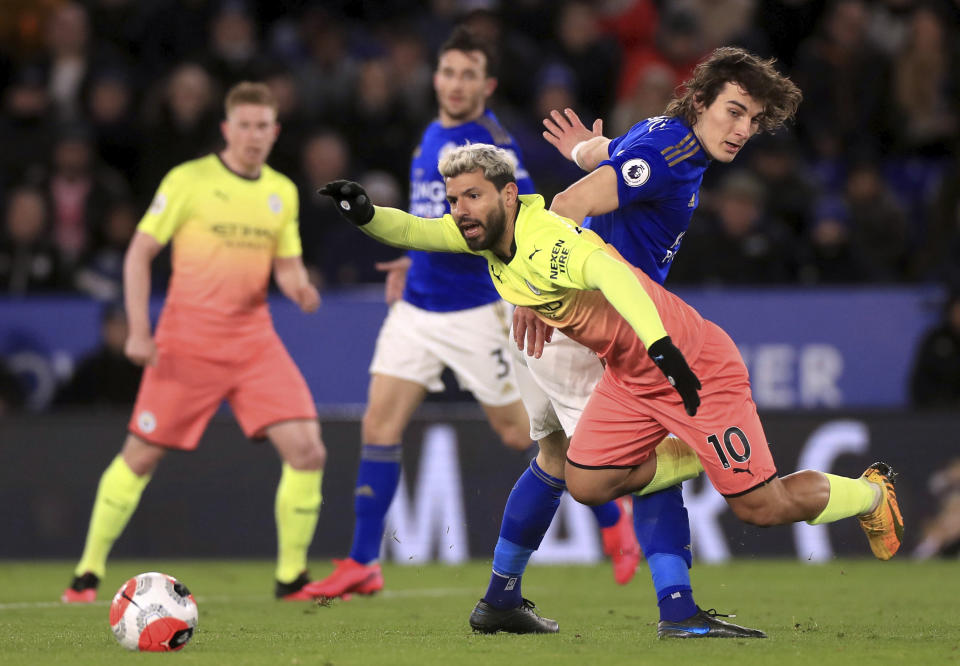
<point>352,201</point>
<point>141,349</point>
<point>308,298</point>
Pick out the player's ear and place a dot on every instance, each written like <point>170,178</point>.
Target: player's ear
<point>489,86</point>
<point>509,193</point>
<point>698,105</point>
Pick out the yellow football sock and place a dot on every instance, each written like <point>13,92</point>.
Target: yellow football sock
<point>848,497</point>
<point>676,462</point>
<point>297,509</point>
<point>117,498</point>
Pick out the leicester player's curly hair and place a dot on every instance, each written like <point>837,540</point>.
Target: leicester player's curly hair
<point>778,95</point>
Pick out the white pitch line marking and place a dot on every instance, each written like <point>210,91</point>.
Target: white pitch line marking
<point>386,594</point>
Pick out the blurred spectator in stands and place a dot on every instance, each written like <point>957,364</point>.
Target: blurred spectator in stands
<point>12,394</point>
<point>21,26</point>
<point>926,90</point>
<point>376,109</point>
<point>555,90</point>
<point>679,46</point>
<point>26,128</point>
<point>71,58</point>
<point>728,23</point>
<point>935,381</point>
<point>293,119</point>
<point>233,52</point>
<point>325,157</point>
<point>632,22</point>
<point>938,258</point>
<point>181,124</point>
<point>879,226</point>
<point>29,261</point>
<point>941,534</point>
<point>738,245</point>
<point>889,21</point>
<point>828,255</point>
<point>334,256</point>
<point>325,80</point>
<point>775,159</point>
<point>100,274</point>
<point>174,31</point>
<point>80,191</point>
<point>844,79</point>
<point>517,53</point>
<point>384,190</point>
<point>412,74</point>
<point>652,92</point>
<point>104,377</point>
<point>590,54</point>
<point>116,130</point>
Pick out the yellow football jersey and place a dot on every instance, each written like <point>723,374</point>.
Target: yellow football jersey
<point>226,229</point>
<point>546,271</point>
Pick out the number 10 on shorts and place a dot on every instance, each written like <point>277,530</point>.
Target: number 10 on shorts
<point>730,447</point>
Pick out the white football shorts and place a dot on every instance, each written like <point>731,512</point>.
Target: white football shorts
<point>415,344</point>
<point>556,387</point>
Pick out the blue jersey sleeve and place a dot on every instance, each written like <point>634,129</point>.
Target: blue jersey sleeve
<point>642,173</point>
<point>614,145</point>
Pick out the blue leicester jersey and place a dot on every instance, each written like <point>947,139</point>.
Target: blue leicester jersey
<point>659,164</point>
<point>438,281</point>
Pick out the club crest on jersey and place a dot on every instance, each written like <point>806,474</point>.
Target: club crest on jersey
<point>147,422</point>
<point>275,203</point>
<point>159,203</point>
<point>635,172</point>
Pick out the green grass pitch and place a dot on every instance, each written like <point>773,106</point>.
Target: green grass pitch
<point>845,612</point>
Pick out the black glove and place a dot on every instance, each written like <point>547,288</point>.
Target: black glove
<point>671,362</point>
<point>352,201</point>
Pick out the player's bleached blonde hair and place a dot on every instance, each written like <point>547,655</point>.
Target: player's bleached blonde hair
<point>249,92</point>
<point>496,163</point>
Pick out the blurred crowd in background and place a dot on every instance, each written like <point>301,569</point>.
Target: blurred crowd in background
<point>101,97</point>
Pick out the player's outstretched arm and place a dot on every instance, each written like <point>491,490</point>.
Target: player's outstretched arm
<point>594,194</point>
<point>294,282</point>
<point>584,147</point>
<point>625,293</point>
<point>392,226</point>
<point>139,346</point>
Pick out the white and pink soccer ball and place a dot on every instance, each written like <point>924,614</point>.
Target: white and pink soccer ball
<point>153,612</point>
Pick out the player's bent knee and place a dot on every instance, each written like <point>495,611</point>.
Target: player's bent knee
<point>517,439</point>
<point>141,456</point>
<point>310,456</point>
<point>586,492</point>
<point>378,430</point>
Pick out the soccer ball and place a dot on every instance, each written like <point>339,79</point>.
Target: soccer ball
<point>153,612</point>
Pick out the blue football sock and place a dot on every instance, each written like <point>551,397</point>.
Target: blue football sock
<point>607,514</point>
<point>663,531</point>
<point>376,485</point>
<point>530,509</point>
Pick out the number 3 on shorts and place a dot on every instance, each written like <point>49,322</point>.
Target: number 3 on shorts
<point>729,448</point>
<point>501,362</point>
